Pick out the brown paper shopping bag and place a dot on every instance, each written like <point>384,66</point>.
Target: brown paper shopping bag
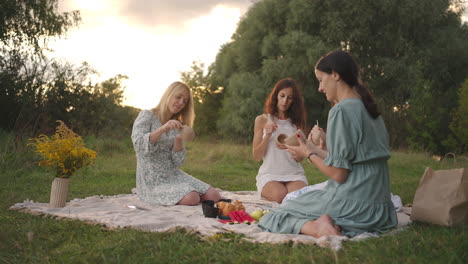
<point>442,197</point>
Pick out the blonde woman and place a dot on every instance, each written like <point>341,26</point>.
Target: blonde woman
<point>160,152</point>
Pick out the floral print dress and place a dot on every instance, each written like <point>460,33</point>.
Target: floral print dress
<point>158,177</point>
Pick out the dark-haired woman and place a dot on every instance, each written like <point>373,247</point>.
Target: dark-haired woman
<point>357,196</point>
<point>284,113</point>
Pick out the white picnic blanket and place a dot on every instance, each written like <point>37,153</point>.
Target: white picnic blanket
<point>126,210</point>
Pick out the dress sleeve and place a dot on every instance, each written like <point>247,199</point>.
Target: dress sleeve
<point>178,157</point>
<point>141,133</point>
<point>342,138</point>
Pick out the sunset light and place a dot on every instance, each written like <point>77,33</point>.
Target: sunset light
<point>90,5</point>
<point>151,51</point>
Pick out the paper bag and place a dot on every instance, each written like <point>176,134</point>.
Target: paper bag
<point>442,197</point>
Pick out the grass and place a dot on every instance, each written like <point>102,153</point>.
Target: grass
<point>26,238</point>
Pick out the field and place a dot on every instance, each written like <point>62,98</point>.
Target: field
<point>33,239</point>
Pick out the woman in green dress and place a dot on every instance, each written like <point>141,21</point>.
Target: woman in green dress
<point>357,196</point>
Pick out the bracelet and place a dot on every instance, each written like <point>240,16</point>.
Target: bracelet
<point>310,155</point>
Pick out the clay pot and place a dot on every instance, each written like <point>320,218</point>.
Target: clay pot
<point>187,133</point>
<point>292,140</point>
<point>280,140</point>
<point>315,136</point>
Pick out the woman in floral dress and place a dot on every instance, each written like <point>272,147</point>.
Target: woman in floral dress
<point>160,152</point>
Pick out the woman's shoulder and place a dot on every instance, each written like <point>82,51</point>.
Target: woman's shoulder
<point>263,118</point>
<point>348,105</point>
<point>147,114</point>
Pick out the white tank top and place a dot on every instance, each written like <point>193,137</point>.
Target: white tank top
<point>277,163</point>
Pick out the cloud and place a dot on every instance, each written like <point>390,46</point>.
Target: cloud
<point>173,13</point>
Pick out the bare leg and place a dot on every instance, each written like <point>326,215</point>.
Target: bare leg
<point>323,226</point>
<point>294,185</point>
<point>192,198</point>
<point>274,191</point>
<point>211,194</point>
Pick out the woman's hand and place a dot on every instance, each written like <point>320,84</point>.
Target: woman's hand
<point>260,143</point>
<point>281,146</point>
<point>270,127</point>
<point>157,133</point>
<point>171,124</point>
<point>302,151</point>
<point>318,137</point>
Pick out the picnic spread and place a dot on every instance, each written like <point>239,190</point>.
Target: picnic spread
<point>127,211</point>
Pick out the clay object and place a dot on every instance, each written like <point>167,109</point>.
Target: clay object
<point>187,133</point>
<point>209,210</point>
<point>292,140</point>
<point>315,136</point>
<point>280,140</point>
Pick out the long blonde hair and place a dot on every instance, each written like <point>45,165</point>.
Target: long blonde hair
<point>186,116</point>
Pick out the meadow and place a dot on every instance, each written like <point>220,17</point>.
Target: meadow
<point>26,238</point>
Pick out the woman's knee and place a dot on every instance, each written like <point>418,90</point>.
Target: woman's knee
<point>211,194</point>
<point>192,198</point>
<point>277,197</point>
<point>274,191</point>
<point>295,185</point>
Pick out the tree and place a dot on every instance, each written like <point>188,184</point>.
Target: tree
<point>406,49</point>
<point>25,27</point>
<point>459,124</point>
<point>28,23</point>
<point>207,98</point>
<point>36,91</point>
<point>198,82</point>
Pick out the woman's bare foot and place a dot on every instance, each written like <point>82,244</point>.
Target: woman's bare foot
<point>323,226</point>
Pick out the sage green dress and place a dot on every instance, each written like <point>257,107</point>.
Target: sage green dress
<point>158,177</point>
<point>359,143</point>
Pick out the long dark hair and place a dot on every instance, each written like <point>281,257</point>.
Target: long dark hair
<point>296,111</point>
<point>343,63</point>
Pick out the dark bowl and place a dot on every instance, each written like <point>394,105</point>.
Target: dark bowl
<point>211,212</point>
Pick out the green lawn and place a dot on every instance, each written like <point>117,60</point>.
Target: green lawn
<point>33,239</point>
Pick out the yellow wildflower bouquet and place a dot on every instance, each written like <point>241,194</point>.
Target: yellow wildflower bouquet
<point>63,152</point>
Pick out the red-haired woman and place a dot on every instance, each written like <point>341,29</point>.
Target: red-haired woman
<point>284,113</point>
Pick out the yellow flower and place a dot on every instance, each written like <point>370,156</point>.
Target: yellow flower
<point>63,152</point>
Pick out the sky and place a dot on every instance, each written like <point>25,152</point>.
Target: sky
<point>151,42</point>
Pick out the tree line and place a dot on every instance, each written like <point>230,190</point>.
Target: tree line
<point>413,56</point>
<point>36,91</point>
